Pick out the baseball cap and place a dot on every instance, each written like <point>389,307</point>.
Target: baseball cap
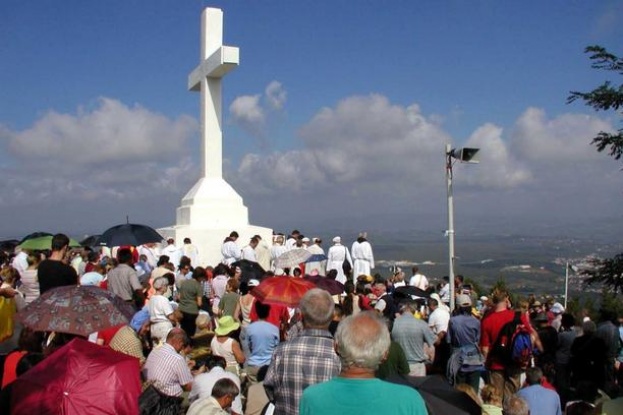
<point>463,300</point>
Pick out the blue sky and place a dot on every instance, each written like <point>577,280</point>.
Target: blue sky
<point>96,122</point>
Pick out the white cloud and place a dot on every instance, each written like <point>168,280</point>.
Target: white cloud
<point>275,95</point>
<point>565,138</point>
<point>110,133</point>
<point>248,113</point>
<point>252,113</point>
<point>109,152</point>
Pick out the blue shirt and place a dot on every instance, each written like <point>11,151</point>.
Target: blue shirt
<point>262,338</point>
<point>541,401</point>
<point>411,334</point>
<point>463,330</point>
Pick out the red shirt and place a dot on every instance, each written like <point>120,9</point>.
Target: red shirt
<point>490,328</point>
<point>276,315</point>
<point>108,334</point>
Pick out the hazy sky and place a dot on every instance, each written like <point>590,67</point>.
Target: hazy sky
<point>336,117</point>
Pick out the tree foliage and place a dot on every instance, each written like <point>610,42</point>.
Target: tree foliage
<point>607,96</point>
<point>607,271</point>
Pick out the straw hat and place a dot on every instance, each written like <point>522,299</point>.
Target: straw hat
<point>226,325</point>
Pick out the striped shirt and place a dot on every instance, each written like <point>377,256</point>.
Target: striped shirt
<point>168,370</point>
<point>305,360</point>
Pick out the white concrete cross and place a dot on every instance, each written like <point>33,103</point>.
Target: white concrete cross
<point>216,61</point>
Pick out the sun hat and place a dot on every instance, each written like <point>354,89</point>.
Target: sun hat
<point>463,300</point>
<point>160,282</point>
<point>226,325</point>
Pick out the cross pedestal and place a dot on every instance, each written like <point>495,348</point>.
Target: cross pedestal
<point>212,208</point>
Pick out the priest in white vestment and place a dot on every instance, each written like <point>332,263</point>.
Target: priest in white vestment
<point>362,257</point>
<point>317,266</point>
<point>335,259</point>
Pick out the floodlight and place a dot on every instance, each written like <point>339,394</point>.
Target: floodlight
<point>465,155</point>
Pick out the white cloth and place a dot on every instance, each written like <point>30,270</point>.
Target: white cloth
<point>438,320</point>
<point>290,244</point>
<point>203,384</point>
<point>262,252</point>
<point>159,310</point>
<point>319,266</point>
<point>248,253</point>
<point>151,254</point>
<point>231,252</point>
<point>444,293</point>
<point>275,252</point>
<point>20,262</point>
<point>191,251</point>
<point>363,259</point>
<point>420,281</point>
<point>335,259</point>
<point>174,254</point>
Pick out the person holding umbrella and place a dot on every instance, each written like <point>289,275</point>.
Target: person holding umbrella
<point>123,279</point>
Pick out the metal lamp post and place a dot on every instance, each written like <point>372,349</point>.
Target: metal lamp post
<point>464,155</point>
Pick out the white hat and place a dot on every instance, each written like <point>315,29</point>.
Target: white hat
<point>557,308</point>
<point>306,239</point>
<point>253,283</point>
<point>463,300</point>
<point>337,240</point>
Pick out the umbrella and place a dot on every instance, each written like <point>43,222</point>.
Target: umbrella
<point>34,235</point>
<point>440,397</point>
<point>79,378</point>
<point>129,234</point>
<point>292,258</point>
<point>9,245</point>
<point>282,290</point>
<point>93,240</point>
<point>317,258</point>
<point>250,269</point>
<point>77,310</point>
<point>43,242</point>
<point>334,287</point>
<point>409,290</point>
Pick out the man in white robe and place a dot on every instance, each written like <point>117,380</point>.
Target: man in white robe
<point>248,252</point>
<point>362,257</point>
<point>262,252</point>
<point>151,252</point>
<point>317,266</point>
<point>276,251</point>
<point>230,250</point>
<point>335,259</point>
<point>189,250</point>
<point>173,252</point>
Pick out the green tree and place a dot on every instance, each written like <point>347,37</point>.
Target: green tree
<point>605,97</point>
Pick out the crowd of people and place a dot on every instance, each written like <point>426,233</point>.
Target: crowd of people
<point>339,354</point>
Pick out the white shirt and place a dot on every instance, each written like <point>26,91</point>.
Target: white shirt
<point>159,309</point>
<point>151,253</point>
<point>420,281</point>
<point>231,252</point>
<point>248,253</point>
<point>438,320</point>
<point>203,384</point>
<point>20,262</point>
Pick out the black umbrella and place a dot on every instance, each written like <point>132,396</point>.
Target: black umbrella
<point>34,235</point>
<point>93,240</point>
<point>9,245</point>
<point>439,396</point>
<point>408,290</point>
<point>250,270</point>
<point>129,234</point>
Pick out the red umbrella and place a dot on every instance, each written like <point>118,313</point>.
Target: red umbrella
<point>76,310</point>
<point>79,378</point>
<point>282,290</point>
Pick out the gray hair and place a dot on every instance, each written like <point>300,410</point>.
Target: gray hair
<point>534,375</point>
<point>224,387</point>
<point>408,307</point>
<point>514,405</point>
<point>317,308</point>
<point>362,340</point>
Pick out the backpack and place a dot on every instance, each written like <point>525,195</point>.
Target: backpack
<point>513,345</point>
